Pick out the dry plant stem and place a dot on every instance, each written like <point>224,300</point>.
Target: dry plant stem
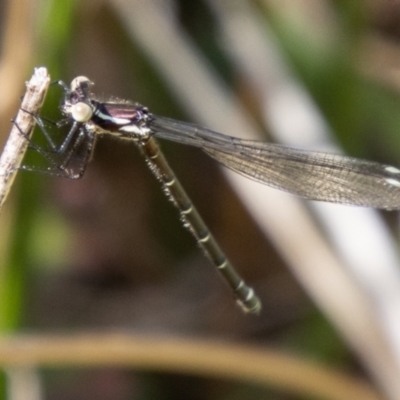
<point>17,144</point>
<point>207,358</point>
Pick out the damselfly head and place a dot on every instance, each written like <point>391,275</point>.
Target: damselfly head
<point>76,102</point>
<point>81,83</point>
<point>80,90</point>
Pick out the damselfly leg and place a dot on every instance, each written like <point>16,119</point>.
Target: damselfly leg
<point>67,158</point>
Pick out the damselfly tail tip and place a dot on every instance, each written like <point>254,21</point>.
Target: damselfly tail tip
<point>251,305</point>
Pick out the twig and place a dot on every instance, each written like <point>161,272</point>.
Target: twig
<point>17,143</point>
<point>265,367</point>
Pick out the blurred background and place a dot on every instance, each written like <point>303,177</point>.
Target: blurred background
<point>108,253</point>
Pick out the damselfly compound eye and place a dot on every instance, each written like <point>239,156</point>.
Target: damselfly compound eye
<point>80,82</point>
<point>81,112</point>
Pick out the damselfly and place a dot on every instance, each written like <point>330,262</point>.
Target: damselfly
<point>312,175</point>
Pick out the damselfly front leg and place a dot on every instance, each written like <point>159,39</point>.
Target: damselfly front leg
<point>69,159</point>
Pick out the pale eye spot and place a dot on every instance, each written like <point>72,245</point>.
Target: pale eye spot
<point>81,112</point>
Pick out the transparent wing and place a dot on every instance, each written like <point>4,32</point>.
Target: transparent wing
<point>313,175</point>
